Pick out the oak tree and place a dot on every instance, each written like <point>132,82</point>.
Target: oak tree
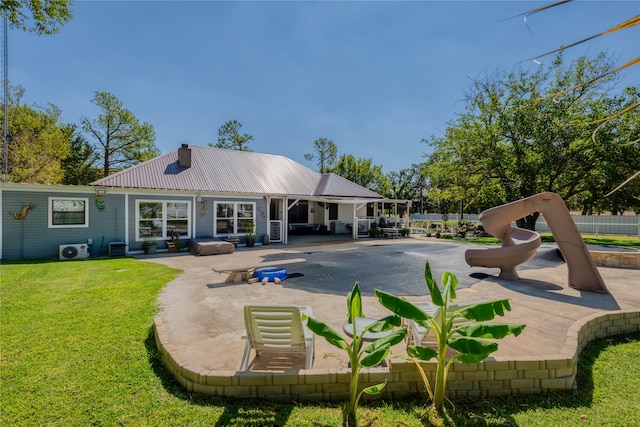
<point>516,138</point>
<point>41,17</point>
<point>37,142</point>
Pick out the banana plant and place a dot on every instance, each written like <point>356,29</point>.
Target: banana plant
<point>472,341</point>
<point>359,357</point>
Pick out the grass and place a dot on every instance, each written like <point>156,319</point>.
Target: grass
<point>77,349</point>
<point>589,239</point>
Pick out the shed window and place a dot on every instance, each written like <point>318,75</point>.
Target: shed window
<point>68,212</point>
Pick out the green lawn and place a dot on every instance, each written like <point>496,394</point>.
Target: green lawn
<point>76,349</point>
<point>590,239</point>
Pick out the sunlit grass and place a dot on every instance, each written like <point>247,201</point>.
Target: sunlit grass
<point>590,239</point>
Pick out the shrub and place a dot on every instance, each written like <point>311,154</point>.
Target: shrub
<point>360,357</point>
<point>471,341</point>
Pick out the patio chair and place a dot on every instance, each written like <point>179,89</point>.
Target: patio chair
<point>277,329</point>
<point>419,335</point>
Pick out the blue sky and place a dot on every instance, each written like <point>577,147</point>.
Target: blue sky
<point>373,76</point>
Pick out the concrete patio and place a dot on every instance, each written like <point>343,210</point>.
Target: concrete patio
<point>203,317</point>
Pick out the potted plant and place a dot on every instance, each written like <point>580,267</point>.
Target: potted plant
<point>175,244</point>
<point>180,245</point>
<point>149,245</point>
<point>250,235</point>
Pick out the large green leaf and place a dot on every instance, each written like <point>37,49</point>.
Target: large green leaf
<point>422,353</point>
<point>490,330</point>
<point>434,290</point>
<point>354,303</point>
<point>472,358</point>
<point>400,306</point>
<point>375,389</point>
<point>375,357</point>
<point>426,323</point>
<point>384,324</point>
<point>486,310</point>
<point>392,339</point>
<point>472,346</point>
<point>450,282</point>
<point>326,332</point>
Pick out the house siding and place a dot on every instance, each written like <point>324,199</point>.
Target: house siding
<point>32,237</point>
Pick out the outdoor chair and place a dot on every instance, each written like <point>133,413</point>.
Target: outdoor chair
<point>277,329</point>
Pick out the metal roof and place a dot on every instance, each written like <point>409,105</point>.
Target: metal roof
<point>218,170</point>
<point>332,185</point>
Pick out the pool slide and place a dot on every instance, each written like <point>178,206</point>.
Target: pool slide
<point>520,245</point>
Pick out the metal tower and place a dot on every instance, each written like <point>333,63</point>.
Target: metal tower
<point>5,99</point>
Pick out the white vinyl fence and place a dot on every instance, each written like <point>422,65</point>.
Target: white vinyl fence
<point>587,224</point>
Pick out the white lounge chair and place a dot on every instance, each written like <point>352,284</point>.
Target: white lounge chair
<point>277,329</point>
<point>419,335</point>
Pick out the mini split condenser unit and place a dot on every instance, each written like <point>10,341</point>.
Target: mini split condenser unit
<point>74,251</point>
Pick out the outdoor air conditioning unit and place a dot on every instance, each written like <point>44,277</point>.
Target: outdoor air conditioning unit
<point>74,251</point>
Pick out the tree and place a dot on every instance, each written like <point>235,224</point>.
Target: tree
<point>122,141</point>
<point>362,172</point>
<point>229,137</point>
<point>326,154</point>
<point>617,137</point>
<point>514,140</point>
<point>41,16</point>
<point>629,23</point>
<point>408,184</point>
<point>37,142</point>
<point>79,166</point>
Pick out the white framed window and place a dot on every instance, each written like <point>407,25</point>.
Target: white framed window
<point>157,219</point>
<point>68,212</point>
<point>233,218</point>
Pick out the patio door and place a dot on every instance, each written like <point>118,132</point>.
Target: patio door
<point>276,223</point>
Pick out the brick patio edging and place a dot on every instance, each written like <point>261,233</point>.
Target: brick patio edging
<point>616,259</point>
<point>495,376</point>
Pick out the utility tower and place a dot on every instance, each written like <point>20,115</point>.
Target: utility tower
<point>4,160</point>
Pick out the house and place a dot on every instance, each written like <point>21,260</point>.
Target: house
<point>197,192</point>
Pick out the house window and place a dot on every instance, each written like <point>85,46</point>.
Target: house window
<point>68,212</point>
<point>158,219</point>
<point>233,217</point>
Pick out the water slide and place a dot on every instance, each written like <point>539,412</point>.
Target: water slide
<point>520,245</point>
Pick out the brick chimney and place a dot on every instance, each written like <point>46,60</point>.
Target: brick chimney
<point>184,156</point>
